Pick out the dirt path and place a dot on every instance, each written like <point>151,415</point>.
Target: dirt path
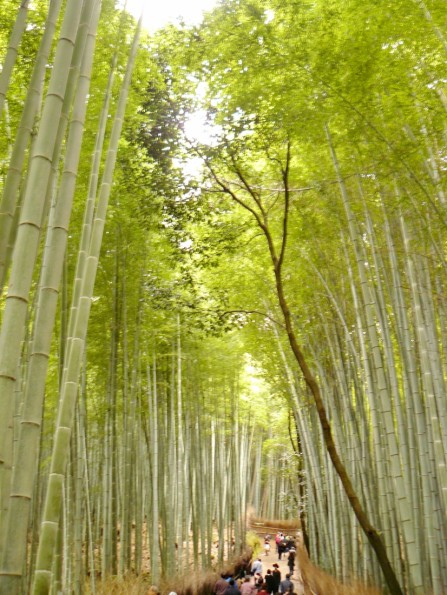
<point>272,558</point>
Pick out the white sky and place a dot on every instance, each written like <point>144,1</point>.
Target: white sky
<point>158,13</point>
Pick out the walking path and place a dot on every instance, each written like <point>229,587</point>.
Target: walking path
<point>272,558</point>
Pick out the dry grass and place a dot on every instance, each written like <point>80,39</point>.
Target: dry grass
<point>194,583</point>
<point>317,582</point>
<point>199,583</point>
<point>113,585</point>
<point>278,524</point>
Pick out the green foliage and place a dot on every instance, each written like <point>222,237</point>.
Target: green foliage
<point>254,543</point>
<point>184,261</point>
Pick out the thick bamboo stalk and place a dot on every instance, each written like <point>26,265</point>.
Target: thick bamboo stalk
<point>26,465</point>
<point>27,243</point>
<point>30,109</point>
<point>13,327</point>
<point>69,388</point>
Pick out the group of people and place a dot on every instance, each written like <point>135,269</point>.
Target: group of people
<point>255,583</point>
<point>285,545</point>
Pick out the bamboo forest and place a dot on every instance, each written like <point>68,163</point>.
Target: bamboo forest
<point>223,296</point>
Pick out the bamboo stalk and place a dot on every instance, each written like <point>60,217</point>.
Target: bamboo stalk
<point>76,348</point>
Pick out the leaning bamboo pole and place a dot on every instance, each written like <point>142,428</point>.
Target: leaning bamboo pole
<point>389,439</point>
<point>90,546</point>
<point>430,424</point>
<point>128,448</point>
<point>180,454</point>
<point>15,168</point>
<point>410,383</point>
<point>29,230</point>
<point>170,440</point>
<point>53,261</point>
<point>110,466</point>
<point>13,327</point>
<point>74,356</point>
<point>154,446</point>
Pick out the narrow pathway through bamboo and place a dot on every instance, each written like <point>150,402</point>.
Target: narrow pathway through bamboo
<point>272,557</point>
<point>309,579</point>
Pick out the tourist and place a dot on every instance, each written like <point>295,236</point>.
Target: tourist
<point>267,546</point>
<point>286,586</point>
<point>232,588</point>
<point>247,588</point>
<point>276,577</point>
<point>281,548</point>
<point>221,585</point>
<point>269,582</point>
<point>278,538</point>
<point>256,567</point>
<point>259,581</point>
<point>291,561</point>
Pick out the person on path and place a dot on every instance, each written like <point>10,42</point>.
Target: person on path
<point>267,546</point>
<point>291,561</point>
<point>259,581</point>
<point>232,588</point>
<point>263,590</point>
<point>247,587</point>
<point>221,585</point>
<point>278,538</point>
<point>256,567</point>
<point>286,586</point>
<point>281,548</point>
<point>269,582</point>
<point>276,573</point>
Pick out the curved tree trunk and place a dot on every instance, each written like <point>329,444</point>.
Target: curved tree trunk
<point>370,532</point>
<point>260,214</point>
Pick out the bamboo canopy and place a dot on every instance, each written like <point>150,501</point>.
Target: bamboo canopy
<point>222,290</point>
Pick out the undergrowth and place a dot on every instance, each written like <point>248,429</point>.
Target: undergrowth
<point>254,543</point>
<point>318,581</point>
